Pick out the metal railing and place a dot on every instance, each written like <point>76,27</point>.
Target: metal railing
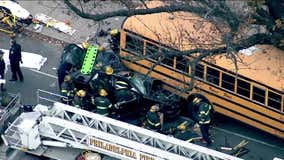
<point>10,111</point>
<point>48,98</point>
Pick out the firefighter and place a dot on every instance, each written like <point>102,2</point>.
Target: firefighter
<point>103,80</point>
<point>204,119</point>
<point>2,69</point>
<point>123,94</point>
<point>103,104</point>
<point>79,100</point>
<point>107,78</point>
<point>115,40</point>
<point>185,134</point>
<point>154,119</point>
<point>67,90</point>
<point>85,45</point>
<point>63,70</point>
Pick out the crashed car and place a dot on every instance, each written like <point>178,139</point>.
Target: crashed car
<point>147,90</point>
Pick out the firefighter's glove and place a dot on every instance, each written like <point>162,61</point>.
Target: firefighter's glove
<point>116,106</point>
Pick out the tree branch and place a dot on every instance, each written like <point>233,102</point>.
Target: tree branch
<point>131,12</point>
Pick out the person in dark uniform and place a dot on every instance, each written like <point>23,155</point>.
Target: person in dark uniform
<point>2,69</point>
<point>79,100</point>
<point>115,40</point>
<point>15,58</point>
<point>63,70</point>
<point>185,134</point>
<point>103,104</point>
<point>107,78</point>
<point>67,90</point>
<point>204,119</point>
<point>123,94</point>
<point>154,119</point>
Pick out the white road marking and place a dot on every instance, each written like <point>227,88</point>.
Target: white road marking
<point>43,73</point>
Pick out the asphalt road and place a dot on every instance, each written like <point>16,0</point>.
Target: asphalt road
<point>262,146</point>
<point>44,79</point>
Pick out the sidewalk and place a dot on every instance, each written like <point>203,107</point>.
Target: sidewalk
<point>57,9</point>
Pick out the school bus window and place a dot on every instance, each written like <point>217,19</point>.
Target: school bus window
<point>243,88</point>
<point>181,64</point>
<point>199,71</point>
<point>167,59</point>
<point>134,44</point>
<point>212,75</point>
<point>152,51</point>
<point>274,100</point>
<point>228,82</point>
<point>258,94</point>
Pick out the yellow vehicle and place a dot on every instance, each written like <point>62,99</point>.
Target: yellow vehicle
<point>13,17</point>
<point>253,95</point>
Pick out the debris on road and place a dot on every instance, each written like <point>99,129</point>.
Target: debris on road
<point>239,150</point>
<point>52,22</point>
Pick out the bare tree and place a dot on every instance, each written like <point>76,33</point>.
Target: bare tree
<point>241,24</point>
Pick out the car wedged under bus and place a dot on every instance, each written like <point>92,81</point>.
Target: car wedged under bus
<point>253,95</point>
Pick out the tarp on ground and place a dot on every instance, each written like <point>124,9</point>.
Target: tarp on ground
<point>30,60</point>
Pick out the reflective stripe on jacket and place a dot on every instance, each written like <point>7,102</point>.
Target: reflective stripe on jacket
<point>103,105</point>
<point>153,120</point>
<point>121,85</point>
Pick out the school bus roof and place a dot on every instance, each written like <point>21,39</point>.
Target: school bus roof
<point>185,31</point>
<point>188,31</point>
<point>263,63</point>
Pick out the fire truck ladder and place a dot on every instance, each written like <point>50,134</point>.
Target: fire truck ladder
<point>86,130</point>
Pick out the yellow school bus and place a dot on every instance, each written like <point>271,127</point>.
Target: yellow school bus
<point>254,94</point>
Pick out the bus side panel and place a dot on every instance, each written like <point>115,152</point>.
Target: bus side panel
<point>245,115</point>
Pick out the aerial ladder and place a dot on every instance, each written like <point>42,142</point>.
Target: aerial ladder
<point>62,125</point>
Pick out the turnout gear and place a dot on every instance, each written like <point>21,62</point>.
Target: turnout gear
<point>98,66</point>
<point>204,120</point>
<point>123,94</point>
<point>103,92</point>
<point>62,71</point>
<point>119,85</point>
<point>102,103</point>
<point>185,134</point>
<point>196,100</point>
<point>182,127</point>
<point>204,113</point>
<point>114,32</point>
<point>154,108</point>
<point>108,70</point>
<point>85,45</point>
<point>79,102</point>
<point>153,120</point>
<point>67,90</point>
<point>115,40</point>
<point>81,93</point>
<point>101,48</point>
